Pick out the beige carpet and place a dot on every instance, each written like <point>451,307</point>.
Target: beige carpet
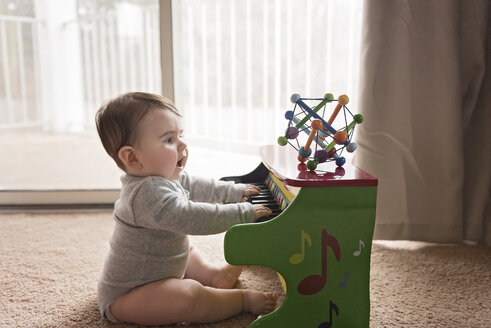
<point>49,264</point>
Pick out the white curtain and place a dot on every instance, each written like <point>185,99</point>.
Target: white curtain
<point>426,99</point>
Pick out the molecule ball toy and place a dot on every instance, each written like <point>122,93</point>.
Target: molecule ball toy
<point>324,143</point>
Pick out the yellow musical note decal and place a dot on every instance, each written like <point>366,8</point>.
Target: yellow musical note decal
<point>298,257</point>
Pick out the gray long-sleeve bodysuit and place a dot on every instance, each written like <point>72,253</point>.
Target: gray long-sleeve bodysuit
<point>152,220</point>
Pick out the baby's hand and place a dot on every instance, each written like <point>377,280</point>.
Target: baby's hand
<point>261,211</point>
<point>250,190</point>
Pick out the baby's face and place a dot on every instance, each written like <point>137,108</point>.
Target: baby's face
<point>160,148</point>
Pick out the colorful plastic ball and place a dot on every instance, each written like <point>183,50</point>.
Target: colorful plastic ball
<point>304,152</point>
<point>358,118</point>
<point>340,137</point>
<point>301,159</point>
<point>282,141</point>
<point>301,167</point>
<point>329,96</point>
<point>340,161</point>
<point>351,147</point>
<point>289,114</point>
<point>295,97</point>
<point>311,165</point>
<point>321,156</point>
<point>291,132</point>
<point>316,125</point>
<point>343,99</point>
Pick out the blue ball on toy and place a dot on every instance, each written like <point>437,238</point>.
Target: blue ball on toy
<point>289,114</point>
<point>295,97</point>
<point>340,161</point>
<point>351,147</point>
<point>304,153</point>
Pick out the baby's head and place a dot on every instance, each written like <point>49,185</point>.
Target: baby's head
<point>132,123</point>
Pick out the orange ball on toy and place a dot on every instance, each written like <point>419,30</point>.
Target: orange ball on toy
<point>340,137</point>
<point>316,125</point>
<point>301,159</point>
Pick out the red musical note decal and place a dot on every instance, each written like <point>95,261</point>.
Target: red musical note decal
<point>328,324</point>
<point>314,283</point>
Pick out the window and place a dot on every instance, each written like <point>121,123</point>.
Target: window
<point>59,60</point>
<point>236,63</point>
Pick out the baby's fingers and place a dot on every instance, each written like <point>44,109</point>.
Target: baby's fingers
<point>261,211</point>
<point>251,190</point>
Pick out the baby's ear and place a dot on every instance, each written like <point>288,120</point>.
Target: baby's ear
<point>127,155</point>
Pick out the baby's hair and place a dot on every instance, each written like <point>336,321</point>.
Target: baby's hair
<point>117,120</point>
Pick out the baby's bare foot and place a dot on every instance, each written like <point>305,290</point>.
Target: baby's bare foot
<point>227,276</point>
<point>258,302</point>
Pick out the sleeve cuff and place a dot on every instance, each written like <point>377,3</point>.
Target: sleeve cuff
<point>236,193</point>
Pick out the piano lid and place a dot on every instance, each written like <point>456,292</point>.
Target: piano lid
<point>282,161</point>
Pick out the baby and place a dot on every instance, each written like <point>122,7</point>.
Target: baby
<point>151,275</point>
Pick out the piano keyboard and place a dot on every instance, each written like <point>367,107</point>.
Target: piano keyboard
<point>265,198</point>
<point>273,195</point>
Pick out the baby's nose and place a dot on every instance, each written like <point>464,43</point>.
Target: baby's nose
<point>183,146</point>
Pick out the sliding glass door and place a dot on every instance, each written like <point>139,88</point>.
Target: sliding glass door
<point>230,66</point>
<point>59,61</point>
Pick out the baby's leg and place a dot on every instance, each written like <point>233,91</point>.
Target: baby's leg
<point>172,301</point>
<point>209,275</point>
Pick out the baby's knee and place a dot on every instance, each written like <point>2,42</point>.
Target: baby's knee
<point>192,294</point>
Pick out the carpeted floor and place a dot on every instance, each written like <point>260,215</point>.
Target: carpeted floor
<point>49,264</point>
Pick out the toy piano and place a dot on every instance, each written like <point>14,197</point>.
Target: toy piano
<point>318,240</point>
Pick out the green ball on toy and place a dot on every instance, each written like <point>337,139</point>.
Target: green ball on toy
<point>329,96</point>
<point>282,141</point>
<point>311,165</point>
<point>358,118</point>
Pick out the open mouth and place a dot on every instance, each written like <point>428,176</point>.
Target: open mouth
<point>180,163</point>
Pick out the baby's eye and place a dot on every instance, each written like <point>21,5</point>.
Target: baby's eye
<point>168,140</point>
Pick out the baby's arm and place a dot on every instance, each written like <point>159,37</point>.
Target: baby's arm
<point>210,190</point>
<point>161,204</point>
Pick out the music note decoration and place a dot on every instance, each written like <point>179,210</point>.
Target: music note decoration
<point>314,283</point>
<point>299,257</point>
<point>358,251</point>
<point>328,324</point>
<point>346,277</point>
